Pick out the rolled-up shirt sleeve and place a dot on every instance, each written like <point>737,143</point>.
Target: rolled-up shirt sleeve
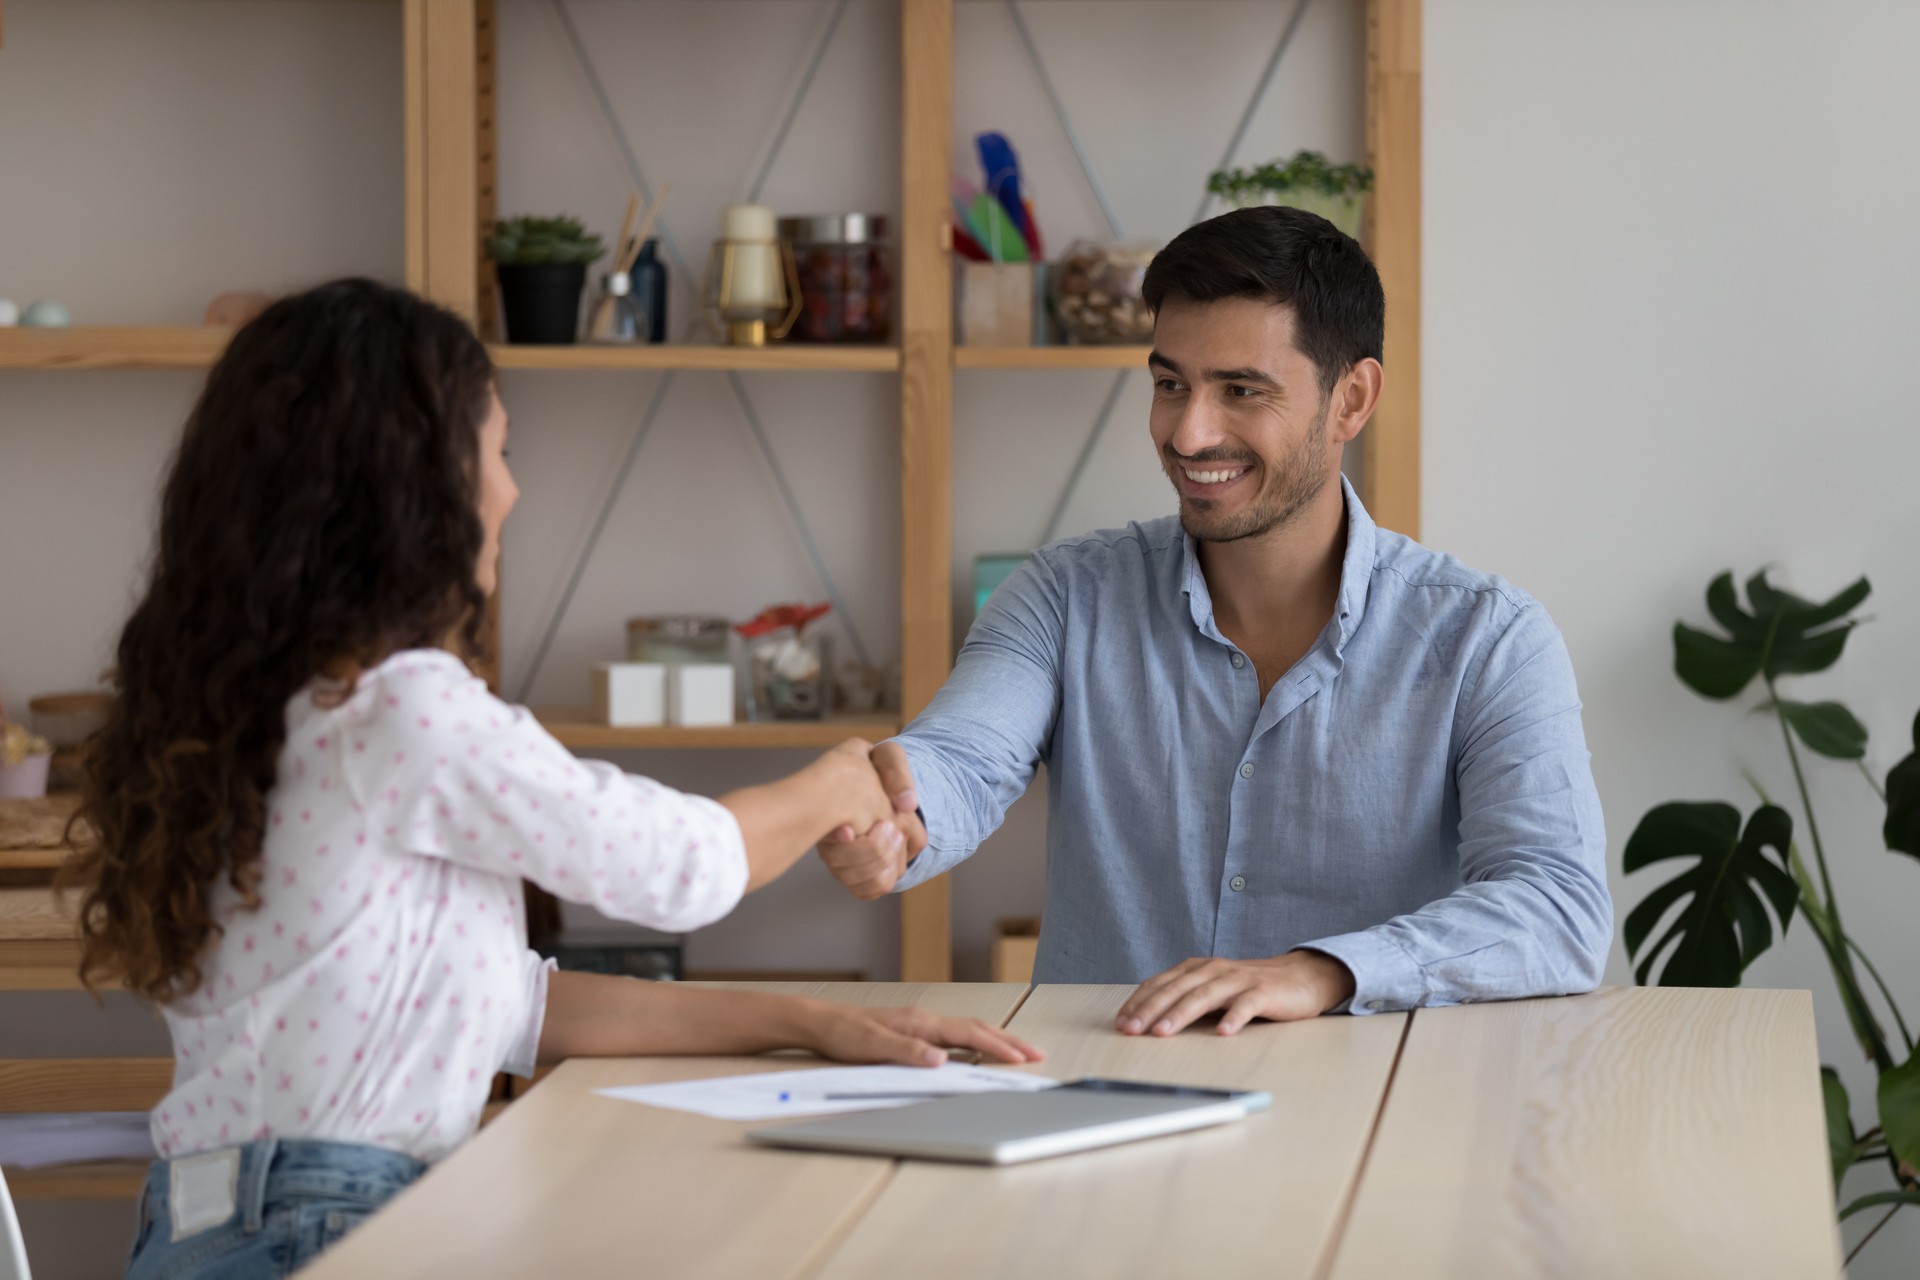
<point>975,748</point>
<point>1533,915</point>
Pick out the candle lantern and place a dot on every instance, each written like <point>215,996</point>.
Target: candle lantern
<point>753,286</point>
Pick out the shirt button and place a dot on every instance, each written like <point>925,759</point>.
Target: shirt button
<point>1246,771</point>
<point>1237,883</point>
<point>1239,661</point>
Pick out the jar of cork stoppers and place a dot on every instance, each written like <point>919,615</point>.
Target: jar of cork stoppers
<point>846,277</point>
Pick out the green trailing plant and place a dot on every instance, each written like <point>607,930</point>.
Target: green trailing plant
<point>1307,171</point>
<point>1308,181</point>
<point>533,242</point>
<point>1741,870</point>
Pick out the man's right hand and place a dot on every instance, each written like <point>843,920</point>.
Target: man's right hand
<point>870,864</point>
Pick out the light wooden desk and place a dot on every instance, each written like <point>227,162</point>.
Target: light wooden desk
<point>1628,1133</point>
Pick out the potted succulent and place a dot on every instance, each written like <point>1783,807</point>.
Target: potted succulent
<point>24,759</point>
<point>542,265</point>
<point>1309,181</point>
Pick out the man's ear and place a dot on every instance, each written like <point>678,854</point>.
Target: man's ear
<point>1355,397</point>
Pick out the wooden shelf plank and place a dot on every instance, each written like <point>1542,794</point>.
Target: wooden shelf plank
<point>112,347</point>
<point>855,359</point>
<point>577,729</point>
<point>1129,357</point>
<point>44,859</point>
<point>196,347</point>
<point>29,1085</point>
<point>42,965</point>
<point>93,1180</point>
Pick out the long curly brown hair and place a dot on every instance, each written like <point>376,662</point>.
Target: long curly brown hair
<point>321,513</point>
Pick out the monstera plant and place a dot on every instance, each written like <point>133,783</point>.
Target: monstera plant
<point>1741,869</point>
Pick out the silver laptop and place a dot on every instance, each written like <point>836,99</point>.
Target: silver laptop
<point>1011,1127</point>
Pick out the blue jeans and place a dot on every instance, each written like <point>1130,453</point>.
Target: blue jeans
<point>291,1201</point>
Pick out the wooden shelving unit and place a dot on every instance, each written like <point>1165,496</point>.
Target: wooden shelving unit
<point>450,166</point>
<point>194,347</point>
<point>112,347</point>
<point>1128,357</point>
<point>742,359</point>
<point>574,727</point>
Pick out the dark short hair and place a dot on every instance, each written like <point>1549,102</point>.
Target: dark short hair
<point>1291,258</point>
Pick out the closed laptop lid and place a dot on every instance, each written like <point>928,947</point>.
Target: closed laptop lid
<point>1004,1128</point>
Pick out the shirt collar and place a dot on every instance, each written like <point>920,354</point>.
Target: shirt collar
<point>1356,575</point>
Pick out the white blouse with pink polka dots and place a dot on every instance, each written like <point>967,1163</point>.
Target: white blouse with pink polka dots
<point>385,977</point>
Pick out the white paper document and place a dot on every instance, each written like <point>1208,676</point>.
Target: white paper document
<point>35,1140</point>
<point>820,1091</point>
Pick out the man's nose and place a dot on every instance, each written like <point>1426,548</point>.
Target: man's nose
<point>1197,430</point>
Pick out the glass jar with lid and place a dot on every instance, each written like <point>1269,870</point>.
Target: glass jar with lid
<point>678,639</point>
<point>845,267</point>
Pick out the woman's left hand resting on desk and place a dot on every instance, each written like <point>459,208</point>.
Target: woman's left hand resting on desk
<point>600,1016</point>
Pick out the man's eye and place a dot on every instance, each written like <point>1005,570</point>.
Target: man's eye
<point>1166,384</point>
<point>1242,393</point>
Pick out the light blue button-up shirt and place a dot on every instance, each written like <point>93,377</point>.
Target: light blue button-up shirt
<point>1413,797</point>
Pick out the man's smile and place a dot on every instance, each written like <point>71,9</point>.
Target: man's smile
<point>1209,481</point>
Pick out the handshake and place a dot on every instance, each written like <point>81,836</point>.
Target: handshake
<point>880,832</point>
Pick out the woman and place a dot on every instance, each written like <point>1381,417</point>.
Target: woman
<point>314,821</point>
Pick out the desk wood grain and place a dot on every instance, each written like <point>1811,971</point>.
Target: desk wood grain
<point>567,1183</point>
<point>1649,1133</point>
<point>1260,1197</point>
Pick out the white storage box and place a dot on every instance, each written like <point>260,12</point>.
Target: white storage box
<point>627,694</point>
<point>700,693</point>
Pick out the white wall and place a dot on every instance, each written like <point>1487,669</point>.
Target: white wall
<point>1672,296</point>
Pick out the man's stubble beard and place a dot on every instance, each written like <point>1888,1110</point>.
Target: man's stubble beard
<point>1279,504</point>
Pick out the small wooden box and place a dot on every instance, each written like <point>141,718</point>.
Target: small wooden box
<point>994,304</point>
<point>1015,942</point>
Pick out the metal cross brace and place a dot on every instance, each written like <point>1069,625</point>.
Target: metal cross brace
<point>1112,215</point>
<point>645,426</point>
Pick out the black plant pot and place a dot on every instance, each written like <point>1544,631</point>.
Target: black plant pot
<point>542,303</point>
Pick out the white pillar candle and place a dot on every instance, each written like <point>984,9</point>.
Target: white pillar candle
<point>755,281</point>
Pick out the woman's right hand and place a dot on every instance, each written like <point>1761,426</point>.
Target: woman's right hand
<point>912,1037</point>
<point>860,797</point>
<point>842,790</point>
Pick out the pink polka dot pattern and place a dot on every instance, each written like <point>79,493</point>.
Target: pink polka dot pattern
<point>386,975</point>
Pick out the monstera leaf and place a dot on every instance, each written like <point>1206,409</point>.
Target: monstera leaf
<point>1841,1139</point>
<point>1782,635</point>
<point>1724,924</point>
<point>1826,727</point>
<point>1899,1096</point>
<point>1903,801</point>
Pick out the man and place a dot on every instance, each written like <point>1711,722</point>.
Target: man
<point>1295,763</point>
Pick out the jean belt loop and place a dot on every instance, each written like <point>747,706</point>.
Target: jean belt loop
<point>253,1177</point>
<point>143,1207</point>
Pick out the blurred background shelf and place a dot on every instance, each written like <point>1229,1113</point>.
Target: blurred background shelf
<point>676,356</point>
<point>112,347</point>
<point>196,347</point>
<point>1129,357</point>
<point>576,729</point>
